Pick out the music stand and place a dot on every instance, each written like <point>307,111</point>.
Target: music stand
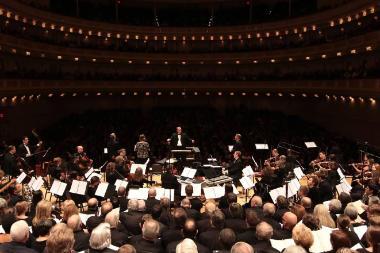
<point>310,144</point>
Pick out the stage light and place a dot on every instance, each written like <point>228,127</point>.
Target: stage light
<point>352,100</point>
<point>373,101</point>
<point>59,57</point>
<point>243,93</point>
<point>171,93</point>
<point>93,60</point>
<point>292,94</point>
<point>232,94</point>
<point>219,62</point>
<point>50,95</point>
<point>195,93</point>
<point>353,51</point>
<point>165,62</point>
<point>135,93</point>
<point>183,62</point>
<point>280,94</point>
<point>239,37</point>
<point>129,61</point>
<point>304,95</point>
<point>316,95</point>
<point>258,35</point>
<point>272,60</point>
<point>76,59</point>
<point>123,93</point>
<point>349,19</point>
<point>339,54</point>
<point>237,62</point>
<point>159,93</point>
<point>62,94</point>
<point>183,93</point>
<point>372,10</point>
<point>112,61</point>
<point>268,94</point>
<point>256,94</point>
<point>201,62</point>
<point>314,27</point>
<point>277,33</point>
<point>335,97</point>
<point>361,99</point>
<point>332,23</point>
<point>147,93</point>
<point>31,97</point>
<point>307,57</point>
<point>249,35</point>
<point>368,48</point>
<point>207,93</point>
<point>98,94</point>
<point>327,97</point>
<point>71,29</point>
<point>127,36</point>
<point>14,50</point>
<point>74,94</point>
<point>230,37</point>
<point>323,56</point>
<point>86,94</point>
<point>220,93</point>
<point>27,53</point>
<point>290,59</point>
<point>364,13</point>
<point>202,38</point>
<point>255,61</point>
<point>341,21</point>
<point>110,94</point>
<point>52,26</point>
<point>267,34</point>
<point>62,28</point>
<point>295,30</point>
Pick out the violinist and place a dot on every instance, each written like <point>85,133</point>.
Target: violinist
<point>362,167</point>
<point>5,184</point>
<point>275,156</point>
<point>10,162</point>
<point>320,162</point>
<point>58,169</point>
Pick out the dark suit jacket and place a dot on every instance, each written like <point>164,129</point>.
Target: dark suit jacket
<point>235,169</point>
<point>93,222</point>
<point>193,214</point>
<point>171,235</point>
<point>196,204</point>
<point>172,247</point>
<point>118,238</point>
<point>264,246</point>
<point>15,247</point>
<point>131,221</point>
<point>123,203</point>
<point>237,225</point>
<point>81,240</point>
<point>281,234</point>
<point>10,165</point>
<point>144,246</point>
<point>210,238</point>
<point>272,222</point>
<point>248,236</point>
<point>21,150</point>
<point>149,203</point>
<point>203,225</point>
<point>185,140</point>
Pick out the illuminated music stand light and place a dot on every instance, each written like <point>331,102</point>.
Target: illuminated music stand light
<point>261,146</point>
<point>310,144</point>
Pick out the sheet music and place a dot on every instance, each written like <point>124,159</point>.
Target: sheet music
<point>88,173</point>
<point>84,217</point>
<point>78,187</point>
<point>310,144</point>
<point>31,182</point>
<point>37,184</point>
<point>357,246</point>
<point>2,229</point>
<point>234,189</point>
<point>280,245</point>
<point>21,178</point>
<point>248,171</point>
<point>141,193</point>
<point>162,192</point>
<point>197,190</point>
<point>327,203</point>
<point>119,183</point>
<point>321,240</point>
<point>280,191</point>
<point>359,206</point>
<point>246,182</point>
<point>261,146</point>
<point>360,230</point>
<point>102,189</point>
<point>340,173</point>
<point>188,172</point>
<point>214,192</point>
<point>298,172</point>
<point>134,166</point>
<point>58,188</point>
<point>230,147</point>
<point>343,187</point>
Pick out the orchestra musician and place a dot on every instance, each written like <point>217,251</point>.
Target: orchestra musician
<point>179,139</point>
<point>5,184</point>
<point>112,145</point>
<point>10,162</point>
<point>236,167</point>
<point>238,145</point>
<point>80,152</point>
<point>320,162</point>
<point>142,150</point>
<point>58,169</point>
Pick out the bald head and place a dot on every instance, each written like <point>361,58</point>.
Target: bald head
<point>210,207</point>
<point>150,229</point>
<point>256,201</point>
<point>92,203</point>
<point>152,192</point>
<point>306,202</point>
<point>242,247</point>
<point>264,231</point>
<point>121,191</point>
<point>190,229</point>
<point>289,220</point>
<point>185,203</point>
<point>20,231</point>
<point>106,208</point>
<point>269,209</point>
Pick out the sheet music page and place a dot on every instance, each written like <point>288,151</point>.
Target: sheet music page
<point>310,144</point>
<point>84,217</point>
<point>246,182</point>
<point>160,192</point>
<point>339,188</point>
<point>119,183</point>
<point>88,173</point>
<point>134,166</point>
<point>169,193</point>
<point>248,171</point>
<point>230,147</point>
<point>209,193</point>
<point>21,178</point>
<point>280,245</point>
<point>2,229</point>
<point>133,193</point>
<point>327,203</point>
<point>82,186</point>
<point>74,186</point>
<point>55,186</point>
<point>219,191</point>
<point>101,190</point>
<point>141,193</point>
<point>321,240</point>
<point>359,206</point>
<point>341,175</point>
<point>273,195</point>
<point>38,184</point>
<point>360,230</point>
<point>357,246</point>
<point>234,189</point>
<point>298,172</point>
<point>31,182</point>
<point>61,189</point>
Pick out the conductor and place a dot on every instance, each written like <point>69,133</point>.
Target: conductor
<point>179,139</point>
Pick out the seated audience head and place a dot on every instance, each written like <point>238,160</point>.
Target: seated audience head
<point>20,231</point>
<point>335,206</point>
<point>69,210</point>
<point>311,221</point>
<point>269,209</point>
<point>264,231</point>
<point>236,210</point>
<point>150,230</point>
<point>106,208</point>
<point>180,217</point>
<point>303,236</point>
<point>306,203</point>
<point>152,192</point>
<point>256,201</point>
<point>373,238</point>
<point>100,237</point>
<point>43,211</point>
<point>231,198</point>
<point>21,208</point>
<point>340,239</point>
<point>282,202</point>
<point>133,205</point>
<point>351,212</point>
<point>190,229</point>
<point>7,221</point>
<point>165,202</point>
<point>227,238</point>
<point>112,218</point>
<point>294,249</point>
<point>228,188</point>
<point>189,190</point>
<point>344,198</point>
<point>92,204</point>
<point>127,248</point>
<point>251,217</point>
<point>43,227</point>
<point>141,205</point>
<point>186,246</point>
<point>217,219</point>
<point>322,213</point>
<point>298,210</point>
<point>121,191</point>
<point>60,240</point>
<point>242,247</point>
<point>156,211</point>
<point>210,207</point>
<point>289,220</point>
<point>74,222</point>
<point>303,191</point>
<point>185,203</point>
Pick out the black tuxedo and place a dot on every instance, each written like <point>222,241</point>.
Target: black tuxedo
<point>10,165</point>
<point>235,169</point>
<point>210,238</point>
<point>81,240</point>
<point>185,140</point>
<point>93,222</point>
<point>22,151</point>
<point>248,236</point>
<point>131,221</point>
<point>118,238</point>
<point>264,246</point>
<point>145,246</point>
